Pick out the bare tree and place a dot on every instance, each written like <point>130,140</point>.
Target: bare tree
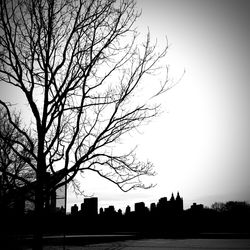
<point>81,68</point>
<point>16,176</point>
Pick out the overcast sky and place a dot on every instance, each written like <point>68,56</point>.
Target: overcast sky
<point>200,146</point>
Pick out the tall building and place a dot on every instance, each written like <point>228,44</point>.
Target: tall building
<point>178,203</point>
<point>74,210</point>
<point>172,206</point>
<point>128,210</point>
<point>162,204</point>
<point>90,206</point>
<point>153,208</point>
<point>140,208</point>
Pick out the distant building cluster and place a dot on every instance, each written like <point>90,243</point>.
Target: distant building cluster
<point>164,206</point>
<point>89,207</point>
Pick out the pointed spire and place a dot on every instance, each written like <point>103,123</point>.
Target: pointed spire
<point>172,197</point>
<point>178,195</point>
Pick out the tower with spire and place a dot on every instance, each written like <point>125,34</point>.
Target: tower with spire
<point>178,203</point>
<point>172,206</point>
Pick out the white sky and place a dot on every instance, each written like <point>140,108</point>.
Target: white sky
<point>200,146</point>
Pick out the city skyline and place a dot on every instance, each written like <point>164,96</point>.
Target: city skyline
<point>90,207</point>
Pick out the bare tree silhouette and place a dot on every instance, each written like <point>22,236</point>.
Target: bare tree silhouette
<point>80,67</point>
<point>16,175</point>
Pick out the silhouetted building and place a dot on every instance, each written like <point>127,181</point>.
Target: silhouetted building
<point>162,206</point>
<point>172,199</point>
<point>178,203</point>
<point>90,206</point>
<point>153,208</point>
<point>74,210</point>
<point>110,211</point>
<point>119,212</point>
<point>140,208</point>
<point>82,208</point>
<point>174,205</point>
<point>128,210</point>
<point>101,212</point>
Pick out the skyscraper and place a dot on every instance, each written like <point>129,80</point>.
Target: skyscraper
<point>178,203</point>
<point>90,206</point>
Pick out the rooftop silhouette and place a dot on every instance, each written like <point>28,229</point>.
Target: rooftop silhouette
<point>164,206</point>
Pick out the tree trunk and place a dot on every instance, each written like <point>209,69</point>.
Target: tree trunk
<point>39,210</point>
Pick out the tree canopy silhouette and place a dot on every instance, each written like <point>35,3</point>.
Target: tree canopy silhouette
<point>81,67</point>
